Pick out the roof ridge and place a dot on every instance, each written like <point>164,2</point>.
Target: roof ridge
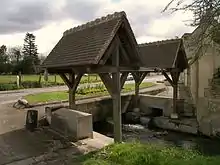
<point>159,42</point>
<point>95,22</point>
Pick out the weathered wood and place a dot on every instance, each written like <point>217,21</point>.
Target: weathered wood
<point>100,69</point>
<point>117,100</point>
<point>77,81</point>
<point>138,77</point>
<point>143,75</point>
<point>107,81</point>
<point>123,79</point>
<point>123,52</point>
<point>175,78</point>
<point>168,78</point>
<point>109,51</point>
<point>65,79</point>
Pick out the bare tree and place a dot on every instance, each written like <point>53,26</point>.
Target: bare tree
<point>206,14</point>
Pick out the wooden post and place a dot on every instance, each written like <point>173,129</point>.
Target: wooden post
<point>175,76</point>
<point>72,104</point>
<point>138,77</point>
<point>117,99</point>
<point>72,84</point>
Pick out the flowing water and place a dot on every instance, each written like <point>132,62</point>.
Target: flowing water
<point>132,132</point>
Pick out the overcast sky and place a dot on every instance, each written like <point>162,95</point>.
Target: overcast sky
<point>48,19</point>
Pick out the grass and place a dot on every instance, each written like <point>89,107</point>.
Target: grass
<point>100,90</point>
<point>4,79</point>
<point>135,153</point>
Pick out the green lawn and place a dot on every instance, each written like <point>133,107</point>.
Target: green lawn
<point>100,90</point>
<point>4,79</point>
<point>144,154</point>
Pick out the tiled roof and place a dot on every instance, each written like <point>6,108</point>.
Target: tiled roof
<point>85,44</point>
<point>160,54</point>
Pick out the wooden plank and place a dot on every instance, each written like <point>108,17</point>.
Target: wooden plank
<point>168,78</point>
<point>117,100</point>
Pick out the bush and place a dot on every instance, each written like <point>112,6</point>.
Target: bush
<point>88,90</point>
<point>5,87</point>
<point>31,84</point>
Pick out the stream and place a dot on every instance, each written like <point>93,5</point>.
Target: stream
<point>204,145</point>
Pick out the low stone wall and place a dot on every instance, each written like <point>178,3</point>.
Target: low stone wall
<point>100,108</point>
<point>147,102</point>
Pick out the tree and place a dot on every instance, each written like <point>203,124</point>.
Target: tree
<point>3,59</point>
<point>15,54</point>
<point>31,59</point>
<point>205,12</point>
<point>16,59</point>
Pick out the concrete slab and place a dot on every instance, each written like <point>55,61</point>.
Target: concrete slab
<point>67,155</point>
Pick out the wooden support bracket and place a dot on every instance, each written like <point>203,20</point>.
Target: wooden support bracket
<point>168,78</point>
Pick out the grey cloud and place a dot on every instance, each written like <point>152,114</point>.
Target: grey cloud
<point>82,10</point>
<point>29,15</point>
<point>24,15</point>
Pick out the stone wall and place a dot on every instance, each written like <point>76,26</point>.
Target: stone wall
<point>101,108</point>
<point>208,113</point>
<point>147,102</point>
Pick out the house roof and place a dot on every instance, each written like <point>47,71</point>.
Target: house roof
<point>160,54</point>
<point>86,44</point>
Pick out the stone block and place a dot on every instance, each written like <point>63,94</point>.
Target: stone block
<point>205,127</point>
<point>145,120</point>
<point>73,124</point>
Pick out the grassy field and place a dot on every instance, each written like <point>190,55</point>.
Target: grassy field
<point>4,79</point>
<point>145,154</point>
<point>100,90</point>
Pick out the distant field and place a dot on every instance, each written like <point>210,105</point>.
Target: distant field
<point>4,79</point>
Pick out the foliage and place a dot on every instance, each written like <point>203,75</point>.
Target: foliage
<point>205,12</point>
<point>98,90</point>
<point>17,59</point>
<point>31,59</point>
<point>4,87</point>
<point>32,81</point>
<point>135,153</point>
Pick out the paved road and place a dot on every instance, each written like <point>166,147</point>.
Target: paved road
<point>12,96</point>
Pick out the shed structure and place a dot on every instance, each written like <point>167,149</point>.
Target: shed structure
<point>168,56</point>
<point>106,46</point>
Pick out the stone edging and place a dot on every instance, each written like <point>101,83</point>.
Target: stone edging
<point>92,97</point>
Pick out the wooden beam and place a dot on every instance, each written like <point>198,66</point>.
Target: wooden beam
<point>77,81</point>
<point>123,79</point>
<point>110,50</point>
<point>107,81</point>
<point>168,78</point>
<point>143,75</point>
<point>117,99</point>
<point>122,51</point>
<point>65,79</point>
